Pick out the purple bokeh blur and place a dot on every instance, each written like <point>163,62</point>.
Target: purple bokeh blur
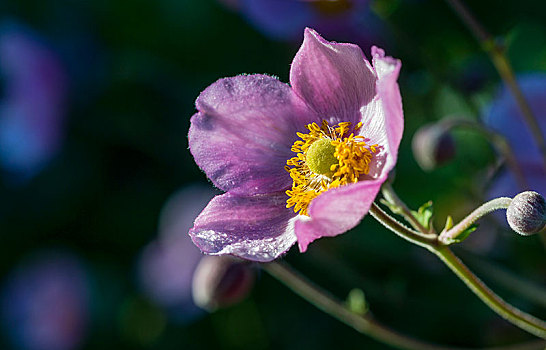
<point>166,265</point>
<point>285,20</point>
<point>174,273</point>
<point>504,116</point>
<point>45,302</point>
<point>33,103</point>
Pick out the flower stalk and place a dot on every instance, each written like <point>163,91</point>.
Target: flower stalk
<point>391,197</point>
<point>419,238</point>
<point>517,317</point>
<point>509,280</point>
<point>363,323</point>
<point>449,235</point>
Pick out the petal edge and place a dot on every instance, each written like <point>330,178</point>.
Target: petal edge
<point>334,79</point>
<point>258,228</point>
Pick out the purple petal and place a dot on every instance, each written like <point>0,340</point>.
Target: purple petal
<point>341,209</point>
<point>334,79</point>
<point>258,228</point>
<point>336,211</point>
<point>505,116</point>
<point>383,119</point>
<point>243,133</point>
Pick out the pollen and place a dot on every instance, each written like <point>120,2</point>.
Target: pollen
<point>326,157</point>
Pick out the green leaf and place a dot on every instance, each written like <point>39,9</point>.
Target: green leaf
<point>392,207</point>
<point>356,302</point>
<point>449,223</point>
<point>424,214</point>
<point>464,234</point>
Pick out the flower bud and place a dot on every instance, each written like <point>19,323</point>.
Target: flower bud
<point>432,146</point>
<point>527,213</point>
<point>220,281</point>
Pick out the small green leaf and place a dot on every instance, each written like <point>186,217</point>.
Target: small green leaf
<point>356,302</point>
<point>463,235</point>
<point>449,223</point>
<point>424,214</point>
<point>392,207</point>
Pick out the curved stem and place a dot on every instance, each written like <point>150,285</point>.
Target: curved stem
<point>362,323</point>
<point>517,317</point>
<point>392,197</point>
<point>422,239</point>
<point>501,63</point>
<point>449,236</point>
<point>509,280</point>
<point>521,319</point>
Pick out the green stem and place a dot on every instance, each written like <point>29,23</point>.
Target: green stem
<point>517,317</point>
<point>422,239</point>
<point>364,324</point>
<point>448,236</point>
<point>501,63</point>
<point>392,197</point>
<point>509,280</point>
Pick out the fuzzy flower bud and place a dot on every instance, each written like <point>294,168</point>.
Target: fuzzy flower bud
<point>221,281</point>
<point>527,213</point>
<point>432,146</point>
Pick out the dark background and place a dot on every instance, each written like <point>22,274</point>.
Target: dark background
<point>135,69</point>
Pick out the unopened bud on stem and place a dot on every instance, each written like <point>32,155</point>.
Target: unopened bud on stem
<point>220,281</point>
<point>432,146</point>
<point>527,213</point>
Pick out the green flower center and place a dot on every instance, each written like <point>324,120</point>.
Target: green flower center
<point>320,157</point>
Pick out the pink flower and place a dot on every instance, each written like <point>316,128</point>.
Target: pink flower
<point>323,145</point>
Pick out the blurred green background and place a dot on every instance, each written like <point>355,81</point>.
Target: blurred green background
<point>134,70</point>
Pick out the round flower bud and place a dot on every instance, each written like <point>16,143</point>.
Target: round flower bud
<point>220,281</point>
<point>527,213</point>
<point>432,146</point>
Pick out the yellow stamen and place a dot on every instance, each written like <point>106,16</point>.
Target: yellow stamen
<point>326,157</point>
